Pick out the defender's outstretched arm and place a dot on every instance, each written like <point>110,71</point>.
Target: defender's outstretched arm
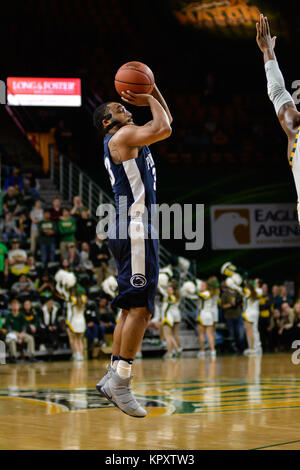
<point>285,108</point>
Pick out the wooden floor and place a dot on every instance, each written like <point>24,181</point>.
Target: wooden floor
<point>229,403</point>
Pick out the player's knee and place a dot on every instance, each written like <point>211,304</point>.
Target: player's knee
<point>124,313</point>
<point>141,313</point>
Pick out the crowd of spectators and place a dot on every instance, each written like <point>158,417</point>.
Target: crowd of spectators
<point>36,240</point>
<point>279,319</point>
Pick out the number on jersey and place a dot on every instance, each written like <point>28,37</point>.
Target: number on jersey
<point>108,167</point>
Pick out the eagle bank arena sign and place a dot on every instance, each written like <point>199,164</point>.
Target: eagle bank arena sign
<point>254,226</point>
<point>38,91</point>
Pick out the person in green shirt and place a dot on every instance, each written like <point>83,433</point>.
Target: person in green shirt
<point>3,263</point>
<point>15,325</point>
<point>44,285</point>
<point>31,317</point>
<point>67,228</point>
<point>47,233</point>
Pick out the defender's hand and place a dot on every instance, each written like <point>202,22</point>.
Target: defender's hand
<point>263,36</point>
<point>138,99</point>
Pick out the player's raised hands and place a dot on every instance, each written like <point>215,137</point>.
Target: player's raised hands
<point>263,36</point>
<point>138,99</point>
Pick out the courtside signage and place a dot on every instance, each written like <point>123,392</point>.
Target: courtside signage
<point>39,91</point>
<point>254,226</point>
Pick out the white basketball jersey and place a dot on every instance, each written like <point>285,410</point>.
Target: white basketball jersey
<point>294,161</point>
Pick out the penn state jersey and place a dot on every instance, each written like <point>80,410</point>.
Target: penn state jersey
<point>135,249</point>
<point>135,179</point>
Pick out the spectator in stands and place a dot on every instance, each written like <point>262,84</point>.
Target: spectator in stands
<point>50,323</point>
<point>9,227</point>
<point>27,196</point>
<point>17,259</point>
<point>29,177</point>
<point>3,263</point>
<point>100,256</point>
<point>274,328</point>
<point>296,331</point>
<point>286,327</point>
<point>265,306</point>
<point>23,227</point>
<point>232,305</point>
<point>45,286</point>
<point>85,261</point>
<point>56,211</point>
<point>276,297</point>
<point>29,190</point>
<point>32,323</point>
<point>47,232</point>
<point>297,297</point>
<point>77,206</point>
<point>15,180</point>
<point>86,227</point>
<point>92,328</point>
<point>3,303</point>
<point>15,326</point>
<point>11,201</point>
<point>34,272</point>
<point>73,257</point>
<point>284,297</point>
<point>107,321</point>
<point>67,228</point>
<point>23,288</point>
<point>36,216</point>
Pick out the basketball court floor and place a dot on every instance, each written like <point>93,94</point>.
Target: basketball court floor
<point>227,403</point>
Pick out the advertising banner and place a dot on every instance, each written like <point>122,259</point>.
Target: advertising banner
<point>38,91</point>
<point>254,226</point>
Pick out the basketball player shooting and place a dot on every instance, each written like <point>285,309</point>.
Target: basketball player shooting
<point>131,169</point>
<point>285,108</point>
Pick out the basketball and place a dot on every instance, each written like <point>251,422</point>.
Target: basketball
<point>134,76</point>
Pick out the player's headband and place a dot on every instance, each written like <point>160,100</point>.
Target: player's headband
<point>113,124</point>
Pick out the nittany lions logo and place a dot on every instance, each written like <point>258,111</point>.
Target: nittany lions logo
<point>138,280</point>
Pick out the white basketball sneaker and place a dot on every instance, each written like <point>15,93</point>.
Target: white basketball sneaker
<point>201,354</point>
<point>249,352</point>
<point>105,378</point>
<point>118,391</point>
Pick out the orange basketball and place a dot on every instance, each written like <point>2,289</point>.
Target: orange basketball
<point>134,76</point>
